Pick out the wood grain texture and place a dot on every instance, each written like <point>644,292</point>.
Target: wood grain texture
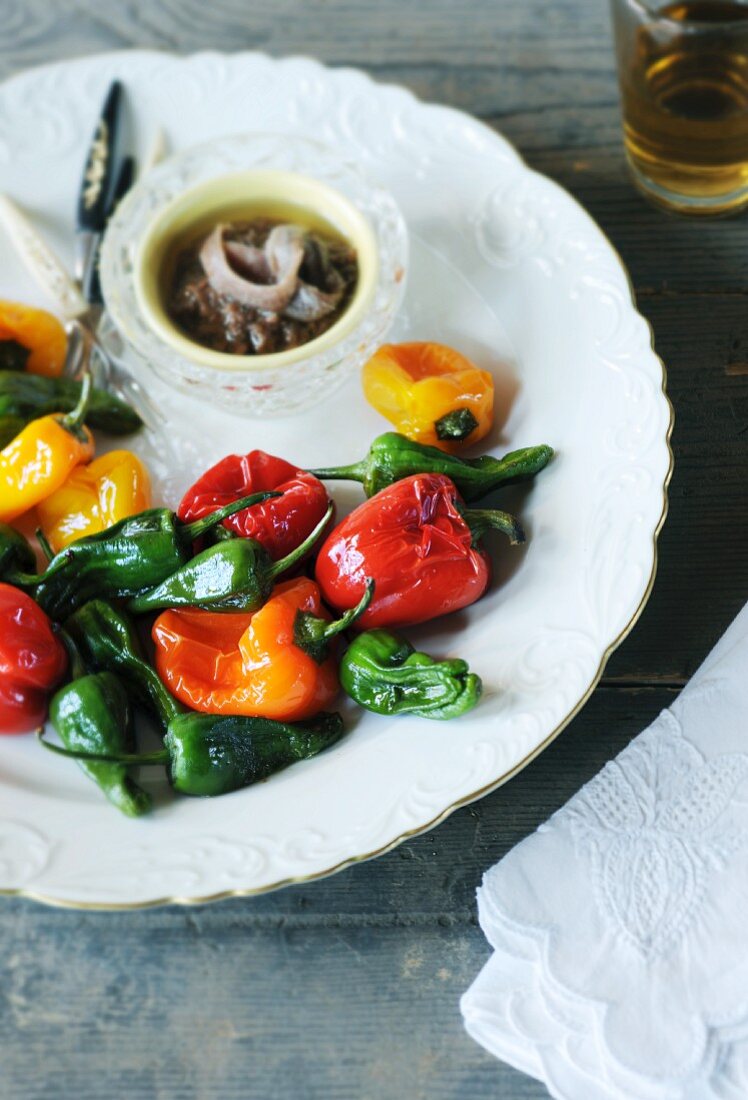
<point>348,989</point>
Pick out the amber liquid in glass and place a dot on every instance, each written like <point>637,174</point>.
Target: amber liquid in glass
<point>685,102</point>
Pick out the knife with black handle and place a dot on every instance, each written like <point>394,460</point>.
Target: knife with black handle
<point>90,279</point>
<point>98,178</point>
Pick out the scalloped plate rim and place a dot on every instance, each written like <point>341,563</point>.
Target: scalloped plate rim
<point>407,95</point>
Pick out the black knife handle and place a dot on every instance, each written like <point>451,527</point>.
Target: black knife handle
<point>96,184</point>
<point>124,181</point>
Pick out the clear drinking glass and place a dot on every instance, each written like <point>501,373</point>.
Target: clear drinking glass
<point>683,72</point>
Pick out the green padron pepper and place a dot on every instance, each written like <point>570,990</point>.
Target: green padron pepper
<point>91,715</point>
<point>125,559</point>
<point>13,356</point>
<point>107,641</point>
<point>236,574</point>
<point>392,457</point>
<point>15,553</point>
<point>383,673</point>
<point>208,754</point>
<point>23,397</point>
<point>10,427</point>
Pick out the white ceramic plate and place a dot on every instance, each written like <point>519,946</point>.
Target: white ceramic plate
<point>508,268</point>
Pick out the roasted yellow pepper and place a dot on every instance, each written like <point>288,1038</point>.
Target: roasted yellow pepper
<point>31,339</point>
<point>40,458</point>
<point>430,393</point>
<point>94,497</point>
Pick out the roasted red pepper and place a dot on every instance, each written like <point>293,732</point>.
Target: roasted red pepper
<point>280,525</point>
<point>32,661</point>
<point>417,542</point>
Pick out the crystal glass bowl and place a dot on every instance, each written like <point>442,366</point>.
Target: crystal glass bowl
<point>192,183</point>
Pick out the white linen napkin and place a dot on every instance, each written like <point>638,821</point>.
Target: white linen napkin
<point>620,928</point>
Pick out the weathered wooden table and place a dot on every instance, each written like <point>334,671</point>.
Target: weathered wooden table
<point>348,989</point>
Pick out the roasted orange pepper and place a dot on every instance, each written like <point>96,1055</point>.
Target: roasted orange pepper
<point>94,497</point>
<point>31,339</point>
<point>431,393</point>
<point>39,459</point>
<point>241,662</point>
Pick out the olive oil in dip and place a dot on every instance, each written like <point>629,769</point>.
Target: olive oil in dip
<point>684,85</point>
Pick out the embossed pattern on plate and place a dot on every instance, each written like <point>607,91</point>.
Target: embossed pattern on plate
<point>505,265</point>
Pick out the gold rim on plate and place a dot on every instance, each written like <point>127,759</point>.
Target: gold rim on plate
<point>62,903</point>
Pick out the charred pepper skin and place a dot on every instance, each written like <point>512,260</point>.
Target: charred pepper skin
<point>126,559</point>
<point>24,397</point>
<point>107,641</point>
<point>92,714</point>
<point>207,755</point>
<point>210,756</point>
<point>393,457</point>
<point>382,672</point>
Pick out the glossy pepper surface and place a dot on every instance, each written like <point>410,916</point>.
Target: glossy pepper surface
<point>384,673</point>
<point>40,458</point>
<point>208,754</point>
<point>255,664</point>
<point>430,393</point>
<point>418,544</point>
<point>126,559</point>
<point>31,340</point>
<point>280,524</point>
<point>237,574</point>
<point>24,397</point>
<point>106,639</point>
<point>94,498</point>
<point>392,457</point>
<point>92,714</point>
<point>32,661</point>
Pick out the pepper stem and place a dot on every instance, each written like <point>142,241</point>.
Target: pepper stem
<point>456,425</point>
<point>314,635</point>
<point>298,553</point>
<point>74,419</point>
<point>23,580</point>
<point>47,550</point>
<point>356,472</point>
<point>480,520</point>
<point>77,666</point>
<point>198,527</point>
<point>161,756</point>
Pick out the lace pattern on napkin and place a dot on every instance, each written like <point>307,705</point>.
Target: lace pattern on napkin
<point>653,824</point>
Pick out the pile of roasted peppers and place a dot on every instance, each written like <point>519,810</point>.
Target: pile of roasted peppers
<point>248,589</point>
